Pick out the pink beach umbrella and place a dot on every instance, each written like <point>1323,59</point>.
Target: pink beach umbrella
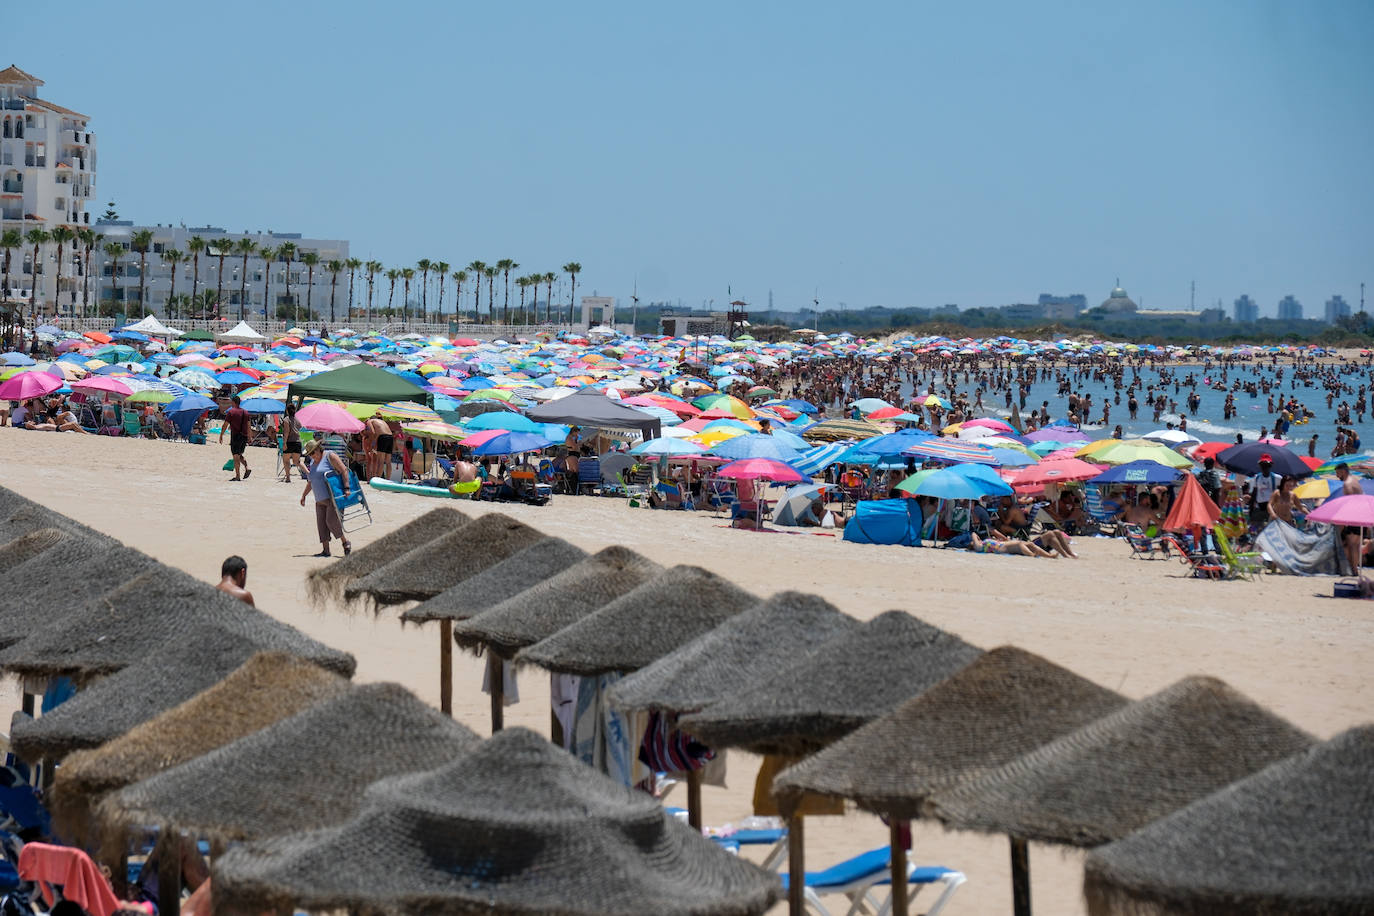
<point>1356,510</point>
<point>328,418</point>
<point>760,469</point>
<point>32,384</point>
<point>102,384</point>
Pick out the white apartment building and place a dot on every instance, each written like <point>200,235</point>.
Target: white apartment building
<point>228,286</point>
<point>47,173</point>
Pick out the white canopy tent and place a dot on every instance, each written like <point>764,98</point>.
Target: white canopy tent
<point>153,328</point>
<point>240,333</point>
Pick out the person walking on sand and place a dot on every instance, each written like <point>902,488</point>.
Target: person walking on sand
<point>233,574</point>
<point>320,463</point>
<point>236,421</point>
<point>291,443</point>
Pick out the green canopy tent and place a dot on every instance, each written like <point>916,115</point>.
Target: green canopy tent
<point>359,383</point>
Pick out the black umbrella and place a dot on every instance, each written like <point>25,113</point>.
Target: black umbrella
<point>1245,459</point>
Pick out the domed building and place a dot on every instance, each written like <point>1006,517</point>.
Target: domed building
<point>1118,301</point>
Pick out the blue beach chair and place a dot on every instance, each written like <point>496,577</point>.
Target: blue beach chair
<point>858,879</point>
<point>351,507</point>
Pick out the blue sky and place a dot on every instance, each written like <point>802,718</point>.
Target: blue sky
<point>885,153</point>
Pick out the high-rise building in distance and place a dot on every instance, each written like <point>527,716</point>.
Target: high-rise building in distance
<point>1336,309</point>
<point>1246,309</point>
<point>1290,309</point>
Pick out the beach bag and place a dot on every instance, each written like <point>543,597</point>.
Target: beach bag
<point>228,465</point>
<point>829,520</point>
<point>1347,588</point>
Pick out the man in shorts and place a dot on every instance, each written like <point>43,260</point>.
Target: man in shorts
<point>1352,536</point>
<point>236,421</point>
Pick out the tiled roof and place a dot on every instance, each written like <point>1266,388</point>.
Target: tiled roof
<point>13,74</point>
<point>53,106</point>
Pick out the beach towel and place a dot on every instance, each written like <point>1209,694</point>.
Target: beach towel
<point>1313,551</point>
<point>73,871</point>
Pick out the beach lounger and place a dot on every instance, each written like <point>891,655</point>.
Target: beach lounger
<point>861,878</point>
<point>1107,523</point>
<point>1143,547</point>
<point>1203,565</point>
<point>527,486</point>
<point>352,507</point>
<point>720,494</point>
<point>1246,564</point>
<point>132,425</point>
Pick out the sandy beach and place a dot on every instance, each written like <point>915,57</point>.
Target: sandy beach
<point>1133,626</point>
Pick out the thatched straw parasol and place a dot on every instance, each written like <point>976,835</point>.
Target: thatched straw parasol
<point>1293,838</point>
<point>328,582</point>
<point>530,566</point>
<point>491,586</point>
<point>20,515</point>
<point>300,773</point>
<point>52,584</point>
<point>267,688</point>
<point>799,708</point>
<point>1120,772</point>
<point>1006,703</point>
<point>517,826</point>
<point>117,628</point>
<point>558,602</point>
<point>641,626</point>
<point>172,673</point>
<point>425,571</point>
<point>721,662</point>
<point>24,547</point>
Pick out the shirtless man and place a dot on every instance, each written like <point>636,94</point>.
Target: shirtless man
<point>1351,535</point>
<point>233,576</point>
<point>1010,517</point>
<point>373,434</point>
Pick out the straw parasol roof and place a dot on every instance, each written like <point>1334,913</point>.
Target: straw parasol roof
<point>724,660</point>
<point>641,626</point>
<point>20,515</point>
<point>857,676</point>
<point>25,547</point>
<point>495,584</point>
<point>54,583</point>
<point>1118,773</point>
<point>427,570</point>
<point>117,628</point>
<point>515,826</point>
<point>1006,703</point>
<point>328,582</point>
<point>300,773</point>
<point>1293,838</point>
<point>171,673</point>
<point>546,608</point>
<point>267,688</point>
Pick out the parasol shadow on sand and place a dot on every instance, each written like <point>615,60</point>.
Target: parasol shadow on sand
<point>1006,703</point>
<point>1120,772</point>
<point>1293,838</point>
<point>514,826</point>
<point>799,708</point>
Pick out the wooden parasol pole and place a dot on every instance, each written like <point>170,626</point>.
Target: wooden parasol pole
<point>694,799</point>
<point>1020,878</point>
<point>796,867</point>
<point>169,872</point>
<point>446,666</point>
<point>898,863</point>
<point>496,675</point>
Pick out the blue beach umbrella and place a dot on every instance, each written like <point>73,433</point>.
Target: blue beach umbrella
<point>667,446</point>
<point>512,444</point>
<point>755,445</point>
<point>504,419</point>
<point>1144,472</point>
<point>263,405</point>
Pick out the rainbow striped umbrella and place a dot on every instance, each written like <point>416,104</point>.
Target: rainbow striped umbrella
<point>951,451</point>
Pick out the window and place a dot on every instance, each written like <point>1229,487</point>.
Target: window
<point>60,204</point>
<point>158,247</point>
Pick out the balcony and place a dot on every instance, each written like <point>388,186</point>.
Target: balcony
<point>12,187</point>
<point>76,138</point>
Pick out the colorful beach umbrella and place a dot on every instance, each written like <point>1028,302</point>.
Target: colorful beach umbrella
<point>328,418</point>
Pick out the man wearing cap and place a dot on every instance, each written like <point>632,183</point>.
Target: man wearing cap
<point>1262,486</point>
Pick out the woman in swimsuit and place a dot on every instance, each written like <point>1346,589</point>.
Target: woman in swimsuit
<point>1011,547</point>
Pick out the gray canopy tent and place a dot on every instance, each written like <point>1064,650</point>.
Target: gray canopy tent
<point>589,407</point>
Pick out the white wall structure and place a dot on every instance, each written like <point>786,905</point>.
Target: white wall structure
<point>598,310</point>
<point>47,174</point>
<point>124,289</point>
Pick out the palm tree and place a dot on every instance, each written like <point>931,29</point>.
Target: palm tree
<point>286,254</point>
<point>425,265</point>
<point>196,245</point>
<point>89,239</point>
<point>206,303</point>
<point>407,274</point>
<point>245,247</point>
<point>113,252</point>
<point>309,259</point>
<point>441,267</point>
<point>141,241</point>
<point>548,300</point>
<point>491,273</point>
<point>268,255</point>
<point>373,268</point>
<point>524,284</point>
<point>572,268</point>
<point>35,237</point>
<point>352,264</point>
<point>224,247</point>
<point>459,278</point>
<point>393,275</point>
<point>334,268</point>
<point>171,257</point>
<point>60,235</point>
<point>506,265</point>
<point>478,269</point>
<point>11,240</point>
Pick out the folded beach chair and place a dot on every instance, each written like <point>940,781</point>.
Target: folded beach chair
<point>1247,564</point>
<point>861,879</point>
<point>352,507</point>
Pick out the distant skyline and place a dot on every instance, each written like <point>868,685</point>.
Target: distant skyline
<point>898,154</point>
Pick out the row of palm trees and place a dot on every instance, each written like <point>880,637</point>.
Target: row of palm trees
<point>141,243</point>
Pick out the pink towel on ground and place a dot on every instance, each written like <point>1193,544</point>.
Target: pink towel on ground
<point>73,871</point>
